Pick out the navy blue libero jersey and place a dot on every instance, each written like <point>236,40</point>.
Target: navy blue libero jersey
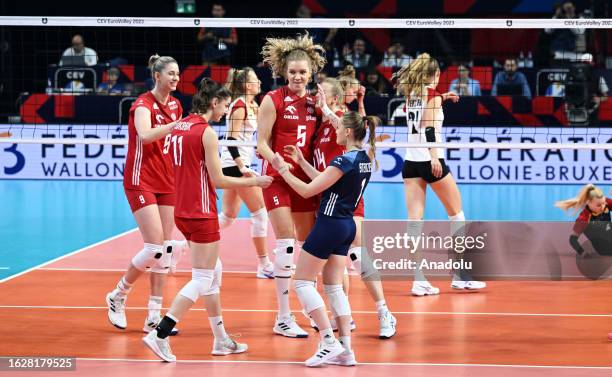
<point>341,199</point>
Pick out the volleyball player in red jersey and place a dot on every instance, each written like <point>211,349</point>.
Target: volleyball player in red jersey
<point>149,187</point>
<point>287,116</point>
<point>325,150</point>
<point>197,171</point>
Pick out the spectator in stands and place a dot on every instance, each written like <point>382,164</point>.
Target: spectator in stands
<point>395,57</point>
<point>78,49</point>
<point>509,78</point>
<point>357,57</point>
<point>375,84</point>
<point>566,44</point>
<point>464,85</point>
<point>112,87</point>
<point>217,42</point>
<point>324,37</point>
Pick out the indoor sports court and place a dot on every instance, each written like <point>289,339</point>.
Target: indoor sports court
<point>516,150</point>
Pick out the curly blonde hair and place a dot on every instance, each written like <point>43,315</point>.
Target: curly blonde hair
<point>412,78</point>
<point>278,52</point>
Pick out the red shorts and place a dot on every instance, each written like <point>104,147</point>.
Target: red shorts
<point>139,199</point>
<point>199,230</point>
<point>279,194</point>
<point>360,210</point>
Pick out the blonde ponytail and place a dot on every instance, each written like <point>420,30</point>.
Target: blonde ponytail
<point>412,79</point>
<point>588,192</point>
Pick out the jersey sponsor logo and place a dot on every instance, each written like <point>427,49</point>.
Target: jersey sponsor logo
<point>159,118</point>
<point>310,118</point>
<point>183,126</point>
<point>292,117</point>
<point>326,131</point>
<point>172,105</point>
<point>365,167</point>
<point>325,140</point>
<point>291,109</point>
<point>310,109</point>
<point>155,107</point>
<point>173,116</point>
<point>288,99</point>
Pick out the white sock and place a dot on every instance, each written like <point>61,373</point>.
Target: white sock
<point>381,307</point>
<point>155,305</point>
<point>327,335</point>
<point>263,260</point>
<point>122,289</point>
<point>346,343</point>
<point>282,296</point>
<point>218,329</point>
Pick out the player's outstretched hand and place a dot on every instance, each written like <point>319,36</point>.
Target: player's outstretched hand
<point>278,162</point>
<point>451,96</point>
<point>361,93</point>
<point>293,153</point>
<point>321,98</point>
<point>263,181</point>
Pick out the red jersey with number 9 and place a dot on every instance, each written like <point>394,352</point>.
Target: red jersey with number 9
<point>196,197</point>
<point>325,146</point>
<point>148,166</point>
<point>296,123</point>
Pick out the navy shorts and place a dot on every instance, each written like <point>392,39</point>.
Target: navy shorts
<point>330,235</point>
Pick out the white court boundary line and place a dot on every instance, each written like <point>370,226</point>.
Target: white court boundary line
<point>67,255</point>
<point>360,363</point>
<point>500,314</point>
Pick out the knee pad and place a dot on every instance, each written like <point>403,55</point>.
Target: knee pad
<point>215,287</point>
<point>337,299</point>
<point>149,256</point>
<point>200,283</point>
<point>307,294</point>
<point>362,263</point>
<point>163,264</point>
<point>259,223</point>
<point>283,263</point>
<point>225,221</point>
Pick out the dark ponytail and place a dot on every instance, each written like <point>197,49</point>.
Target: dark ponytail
<point>207,90</point>
<point>360,125</point>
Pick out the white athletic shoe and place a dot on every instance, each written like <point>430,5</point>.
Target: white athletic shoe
<point>346,359</point>
<point>424,288</point>
<point>265,271</point>
<point>178,249</point>
<point>326,352</point>
<point>288,327</point>
<point>228,346</point>
<point>469,284</point>
<point>116,311</point>
<point>387,325</point>
<point>151,323</point>
<point>160,347</point>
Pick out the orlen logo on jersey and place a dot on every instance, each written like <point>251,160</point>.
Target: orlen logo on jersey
<point>291,109</point>
<point>160,120</point>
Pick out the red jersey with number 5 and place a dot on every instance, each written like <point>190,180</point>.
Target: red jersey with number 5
<point>325,146</point>
<point>147,166</point>
<point>296,123</point>
<point>196,197</point>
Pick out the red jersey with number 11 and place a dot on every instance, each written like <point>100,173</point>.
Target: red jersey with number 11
<point>296,123</point>
<point>196,197</point>
<point>147,166</point>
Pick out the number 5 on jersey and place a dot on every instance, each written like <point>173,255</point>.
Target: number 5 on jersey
<point>301,135</point>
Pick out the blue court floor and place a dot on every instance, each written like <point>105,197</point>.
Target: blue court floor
<point>42,220</point>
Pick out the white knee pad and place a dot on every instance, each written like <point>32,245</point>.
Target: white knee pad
<point>215,287</point>
<point>283,263</point>
<point>163,264</point>
<point>225,221</point>
<point>307,294</point>
<point>337,299</point>
<point>259,223</point>
<point>149,256</point>
<point>362,263</point>
<point>200,283</point>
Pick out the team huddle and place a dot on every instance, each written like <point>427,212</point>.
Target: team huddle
<point>311,190</point>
